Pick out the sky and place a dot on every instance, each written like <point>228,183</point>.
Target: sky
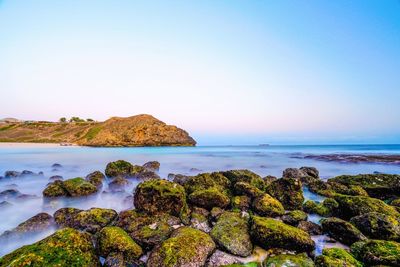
<point>228,72</point>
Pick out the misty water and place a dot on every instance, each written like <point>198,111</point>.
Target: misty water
<point>80,161</point>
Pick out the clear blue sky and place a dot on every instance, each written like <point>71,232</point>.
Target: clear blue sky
<point>239,72</point>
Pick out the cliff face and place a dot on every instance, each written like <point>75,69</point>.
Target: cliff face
<point>140,130</point>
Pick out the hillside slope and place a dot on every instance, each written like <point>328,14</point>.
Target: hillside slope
<point>140,130</point>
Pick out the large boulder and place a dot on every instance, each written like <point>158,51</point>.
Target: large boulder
<point>231,234</point>
<point>243,188</point>
<point>382,186</point>
<point>186,247</point>
<point>377,252</point>
<point>288,191</point>
<point>269,233</point>
<point>240,203</point>
<point>118,184</point>
<point>96,178</point>
<point>205,181</point>
<point>266,205</point>
<point>66,247</point>
<point>209,198</point>
<point>294,217</point>
<point>156,195</point>
<point>350,206</point>
<point>152,166</point>
<point>246,176</point>
<point>286,260</point>
<point>112,239</point>
<point>378,226</point>
<point>119,168</point>
<point>341,230</point>
<point>332,257</point>
<point>75,187</point>
<point>91,220</point>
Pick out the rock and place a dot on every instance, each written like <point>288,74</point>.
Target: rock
<point>56,166</point>
<point>266,205</point>
<point>269,233</point>
<point>9,194</point>
<point>215,213</point>
<point>186,247</point>
<point>112,239</point>
<point>209,198</point>
<point>378,226</point>
<point>91,220</point>
<point>328,207</point>
<point>310,171</point>
<point>350,206</point>
<point>382,186</point>
<point>341,230</point>
<point>119,168</point>
<point>294,173</point>
<point>294,217</point>
<point>205,181</point>
<point>75,187</point>
<point>11,174</point>
<point>286,260</point>
<point>96,178</point>
<point>66,247</point>
<point>38,223</point>
<point>118,184</point>
<point>178,178</point>
<point>246,176</point>
<point>200,222</point>
<point>153,166</point>
<point>55,178</point>
<point>5,204</point>
<point>241,202</point>
<point>377,252</point>
<point>115,259</point>
<point>288,191</point>
<point>220,258</point>
<point>231,234</point>
<point>154,196</point>
<point>243,188</point>
<point>269,179</point>
<point>310,227</point>
<point>146,175</point>
<point>332,257</point>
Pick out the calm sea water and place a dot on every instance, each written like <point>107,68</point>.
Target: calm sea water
<point>79,161</point>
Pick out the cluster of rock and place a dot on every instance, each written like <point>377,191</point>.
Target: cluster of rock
<point>218,219</point>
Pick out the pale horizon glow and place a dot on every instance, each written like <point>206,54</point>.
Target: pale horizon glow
<point>228,72</point>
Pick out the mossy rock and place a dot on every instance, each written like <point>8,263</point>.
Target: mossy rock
<point>333,257</point>
<point>185,247</point>
<point>328,207</point>
<point>151,235</point>
<point>96,178</point>
<point>266,205</point>
<point>269,233</point>
<point>378,226</point>
<point>377,252</point>
<point>199,221</point>
<point>294,217</point>
<point>156,195</point>
<point>241,203</point>
<point>243,188</point>
<point>236,176</point>
<point>91,220</point>
<point>55,189</point>
<point>36,224</point>
<point>288,191</point>
<point>286,260</point>
<point>231,234</point>
<point>341,230</point>
<point>152,166</point>
<point>115,239</point>
<point>205,181</point>
<point>119,168</point>
<point>77,187</point>
<point>209,198</point>
<point>381,186</point>
<point>350,206</point>
<point>66,247</point>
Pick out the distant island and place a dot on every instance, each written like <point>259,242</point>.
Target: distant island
<point>139,130</point>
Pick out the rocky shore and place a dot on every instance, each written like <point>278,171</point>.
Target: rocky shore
<point>226,218</point>
<point>356,158</point>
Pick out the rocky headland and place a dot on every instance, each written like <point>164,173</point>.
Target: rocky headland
<point>221,218</point>
<point>140,130</point>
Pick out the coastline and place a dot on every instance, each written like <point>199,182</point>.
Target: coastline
<point>17,144</point>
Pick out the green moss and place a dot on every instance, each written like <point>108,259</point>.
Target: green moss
<point>115,239</point>
<point>333,257</point>
<point>231,233</point>
<point>377,252</point>
<point>119,167</point>
<point>247,176</point>
<point>266,205</point>
<point>185,246</point>
<point>240,202</point>
<point>95,178</point>
<point>284,260</point>
<point>78,187</point>
<point>205,181</point>
<point>96,216</point>
<point>247,264</point>
<point>209,198</point>
<point>55,190</point>
<point>66,247</point>
<point>243,188</point>
<point>270,233</point>
<point>288,191</point>
<point>294,217</point>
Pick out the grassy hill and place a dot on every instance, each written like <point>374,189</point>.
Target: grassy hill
<point>140,130</point>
